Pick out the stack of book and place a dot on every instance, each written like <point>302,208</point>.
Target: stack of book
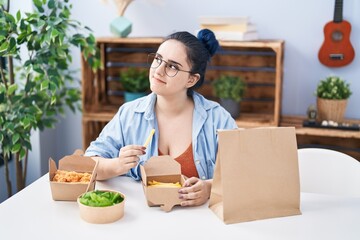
<point>230,28</point>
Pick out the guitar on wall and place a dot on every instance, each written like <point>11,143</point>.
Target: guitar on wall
<point>337,50</point>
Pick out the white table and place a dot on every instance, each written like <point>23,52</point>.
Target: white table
<point>32,212</point>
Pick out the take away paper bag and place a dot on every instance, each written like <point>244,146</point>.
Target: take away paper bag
<point>256,175</point>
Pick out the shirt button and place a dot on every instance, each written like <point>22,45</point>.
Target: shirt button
<point>197,161</point>
<point>203,177</point>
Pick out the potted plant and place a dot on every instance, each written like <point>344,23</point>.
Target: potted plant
<point>230,91</point>
<point>135,83</point>
<point>36,86</point>
<point>332,96</point>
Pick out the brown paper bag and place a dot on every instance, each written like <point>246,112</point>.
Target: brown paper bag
<point>256,175</point>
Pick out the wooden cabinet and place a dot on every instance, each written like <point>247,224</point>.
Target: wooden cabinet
<point>345,141</point>
<point>260,63</point>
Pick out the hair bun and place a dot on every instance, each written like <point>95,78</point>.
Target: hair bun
<point>207,37</point>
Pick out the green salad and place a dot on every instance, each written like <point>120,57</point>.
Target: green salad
<point>99,198</point>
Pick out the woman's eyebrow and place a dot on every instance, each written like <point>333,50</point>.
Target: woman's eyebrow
<point>158,55</point>
<point>171,61</point>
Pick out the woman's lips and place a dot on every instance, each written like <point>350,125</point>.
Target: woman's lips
<point>157,80</point>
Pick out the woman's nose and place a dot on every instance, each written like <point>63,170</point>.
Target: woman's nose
<point>161,68</point>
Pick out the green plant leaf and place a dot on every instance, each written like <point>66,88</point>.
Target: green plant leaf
<point>51,4</point>
<point>22,153</point>
<point>16,148</point>
<point>15,138</point>
<point>26,122</point>
<point>53,100</point>
<point>27,144</point>
<point>9,126</point>
<point>18,15</point>
<point>44,85</point>
<point>4,46</point>
<point>12,44</point>
<point>38,69</point>
<point>10,19</point>
<point>2,88</point>
<point>38,5</point>
<point>333,87</point>
<point>12,88</point>
<point>6,150</point>
<point>229,87</point>
<point>47,37</point>
<point>135,80</point>
<point>54,34</point>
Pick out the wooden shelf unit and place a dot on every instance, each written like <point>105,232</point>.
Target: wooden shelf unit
<point>341,140</point>
<point>260,63</point>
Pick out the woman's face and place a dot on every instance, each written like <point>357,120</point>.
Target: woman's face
<point>174,56</point>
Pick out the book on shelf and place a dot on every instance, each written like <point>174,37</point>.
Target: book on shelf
<point>240,27</point>
<point>230,28</point>
<point>221,20</point>
<point>236,36</point>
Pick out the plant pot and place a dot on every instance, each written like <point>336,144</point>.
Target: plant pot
<point>233,107</point>
<point>129,96</point>
<point>331,110</point>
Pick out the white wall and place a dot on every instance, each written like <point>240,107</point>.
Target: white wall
<point>299,23</point>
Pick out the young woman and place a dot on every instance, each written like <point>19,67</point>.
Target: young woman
<point>185,122</point>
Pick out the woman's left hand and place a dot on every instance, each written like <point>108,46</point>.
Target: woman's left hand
<point>195,191</point>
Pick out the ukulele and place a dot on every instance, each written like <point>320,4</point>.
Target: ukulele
<point>337,50</point>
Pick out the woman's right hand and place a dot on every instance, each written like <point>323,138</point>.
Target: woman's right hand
<point>127,159</point>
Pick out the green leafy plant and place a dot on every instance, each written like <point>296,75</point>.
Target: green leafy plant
<point>229,87</point>
<point>333,87</point>
<point>36,86</point>
<point>135,80</point>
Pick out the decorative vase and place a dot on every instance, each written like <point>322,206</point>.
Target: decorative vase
<point>233,107</point>
<point>331,110</point>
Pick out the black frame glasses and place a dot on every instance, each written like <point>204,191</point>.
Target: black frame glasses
<point>171,69</point>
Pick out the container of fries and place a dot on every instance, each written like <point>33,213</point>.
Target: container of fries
<point>75,175</point>
<point>101,206</point>
<point>162,179</point>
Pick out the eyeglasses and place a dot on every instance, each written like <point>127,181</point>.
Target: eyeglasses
<point>171,69</point>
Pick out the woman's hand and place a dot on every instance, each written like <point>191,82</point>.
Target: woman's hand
<point>195,191</point>
<point>127,159</point>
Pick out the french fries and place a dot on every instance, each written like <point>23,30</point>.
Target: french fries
<point>149,137</point>
<point>154,183</point>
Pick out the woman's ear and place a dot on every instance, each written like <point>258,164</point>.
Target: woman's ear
<point>193,79</point>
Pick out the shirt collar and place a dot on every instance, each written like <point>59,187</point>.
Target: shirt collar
<point>201,105</point>
<point>147,106</point>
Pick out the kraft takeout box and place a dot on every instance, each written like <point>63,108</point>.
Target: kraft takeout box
<point>162,169</point>
<point>78,163</point>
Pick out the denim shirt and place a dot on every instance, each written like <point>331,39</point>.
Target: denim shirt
<point>134,121</point>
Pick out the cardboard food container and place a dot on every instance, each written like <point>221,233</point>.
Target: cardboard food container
<point>162,169</point>
<point>64,191</point>
<point>102,215</point>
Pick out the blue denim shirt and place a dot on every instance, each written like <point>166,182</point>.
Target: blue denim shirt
<point>134,121</point>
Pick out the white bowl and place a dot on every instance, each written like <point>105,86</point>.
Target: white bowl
<point>101,215</point>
